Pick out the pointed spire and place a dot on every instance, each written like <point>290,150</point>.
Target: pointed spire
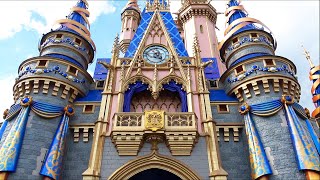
<point>237,21</point>
<point>77,21</point>
<point>152,5</point>
<point>132,4</point>
<point>307,54</point>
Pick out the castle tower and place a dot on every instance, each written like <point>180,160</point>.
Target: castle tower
<point>266,83</point>
<point>155,110</point>
<point>46,87</point>
<point>198,18</point>
<point>130,18</point>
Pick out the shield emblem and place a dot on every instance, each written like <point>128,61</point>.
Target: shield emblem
<point>154,120</point>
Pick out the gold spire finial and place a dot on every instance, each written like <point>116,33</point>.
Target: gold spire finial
<point>307,54</point>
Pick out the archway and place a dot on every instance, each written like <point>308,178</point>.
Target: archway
<point>154,161</point>
<point>155,174</point>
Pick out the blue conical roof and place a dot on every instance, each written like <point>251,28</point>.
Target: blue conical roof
<point>77,21</point>
<point>238,14</point>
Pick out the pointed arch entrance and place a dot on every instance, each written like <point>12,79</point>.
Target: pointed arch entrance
<point>154,161</point>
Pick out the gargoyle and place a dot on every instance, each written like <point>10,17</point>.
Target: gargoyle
<point>106,65</point>
<point>205,64</point>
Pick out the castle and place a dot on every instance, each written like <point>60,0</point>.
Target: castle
<point>177,105</point>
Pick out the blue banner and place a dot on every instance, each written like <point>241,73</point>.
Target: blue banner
<point>10,150</point>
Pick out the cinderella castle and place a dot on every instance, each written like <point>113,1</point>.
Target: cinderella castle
<point>172,102</point>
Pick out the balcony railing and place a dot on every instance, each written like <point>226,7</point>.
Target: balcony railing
<point>132,121</point>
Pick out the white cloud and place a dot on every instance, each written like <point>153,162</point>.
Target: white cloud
<point>18,15</point>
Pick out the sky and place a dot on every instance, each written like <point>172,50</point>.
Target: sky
<point>23,22</point>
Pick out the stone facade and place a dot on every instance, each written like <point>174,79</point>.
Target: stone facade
<point>207,140</point>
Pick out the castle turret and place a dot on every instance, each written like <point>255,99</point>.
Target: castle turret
<point>46,87</point>
<point>130,18</point>
<point>198,18</point>
<point>315,89</point>
<point>266,83</point>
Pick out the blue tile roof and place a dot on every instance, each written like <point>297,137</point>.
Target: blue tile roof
<point>174,34</point>
<point>93,95</point>
<point>171,28</point>
<point>220,95</point>
<point>212,70</point>
<point>76,17</point>
<point>145,20</point>
<point>237,15</point>
<point>100,72</point>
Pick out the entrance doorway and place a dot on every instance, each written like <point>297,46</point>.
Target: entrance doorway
<point>155,174</point>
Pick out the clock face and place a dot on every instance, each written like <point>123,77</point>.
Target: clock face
<point>156,54</point>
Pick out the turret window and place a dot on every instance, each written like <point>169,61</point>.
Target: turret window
<point>78,41</point>
<point>42,64</point>
<point>88,109</point>
<point>239,70</point>
<point>223,108</point>
<point>59,36</point>
<point>254,35</point>
<point>72,70</point>
<point>269,62</point>
<point>235,40</point>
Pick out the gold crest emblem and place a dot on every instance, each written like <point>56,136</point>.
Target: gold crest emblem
<point>154,120</point>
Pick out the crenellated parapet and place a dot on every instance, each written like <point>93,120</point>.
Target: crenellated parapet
<point>193,8</point>
<point>262,76</point>
<point>48,75</point>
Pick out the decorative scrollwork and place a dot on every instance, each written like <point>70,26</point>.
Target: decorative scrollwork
<point>287,99</point>
<point>69,110</point>
<point>129,119</point>
<point>184,119</point>
<point>244,109</point>
<point>26,101</point>
<point>55,69</point>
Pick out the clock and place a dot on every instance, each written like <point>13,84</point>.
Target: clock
<point>156,54</point>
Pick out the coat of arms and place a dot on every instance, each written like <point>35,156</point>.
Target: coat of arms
<point>154,120</point>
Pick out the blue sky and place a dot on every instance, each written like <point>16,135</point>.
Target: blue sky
<point>23,23</point>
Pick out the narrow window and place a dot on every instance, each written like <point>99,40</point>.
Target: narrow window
<point>223,108</point>
<point>59,36</point>
<point>235,40</point>
<point>78,41</point>
<point>72,70</point>
<point>269,62</point>
<point>254,35</point>
<point>239,70</point>
<point>88,109</point>
<point>42,63</point>
<point>201,29</point>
